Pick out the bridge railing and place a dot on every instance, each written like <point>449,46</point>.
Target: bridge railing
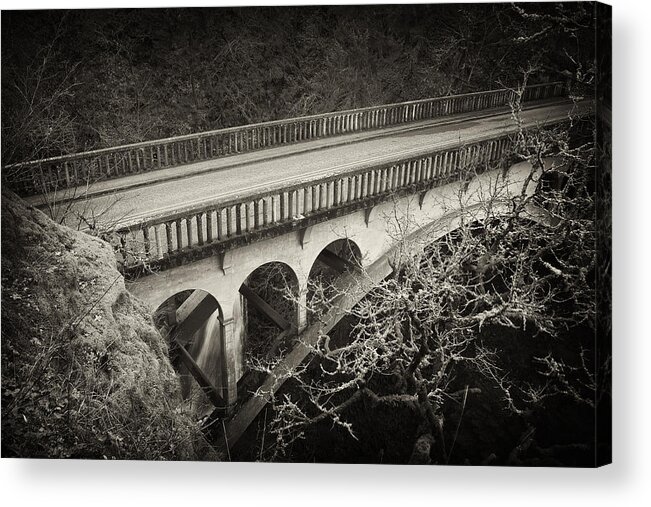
<point>56,173</point>
<point>174,235</point>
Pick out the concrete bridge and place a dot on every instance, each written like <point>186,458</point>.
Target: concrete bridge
<point>196,216</point>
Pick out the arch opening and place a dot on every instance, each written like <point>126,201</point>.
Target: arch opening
<point>336,258</point>
<point>269,301</point>
<point>192,323</point>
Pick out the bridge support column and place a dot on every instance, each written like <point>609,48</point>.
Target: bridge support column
<point>301,311</point>
<point>229,363</point>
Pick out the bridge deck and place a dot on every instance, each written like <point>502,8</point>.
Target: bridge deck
<point>144,195</point>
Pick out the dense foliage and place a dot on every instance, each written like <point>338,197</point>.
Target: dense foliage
<point>77,80</point>
<point>85,373</point>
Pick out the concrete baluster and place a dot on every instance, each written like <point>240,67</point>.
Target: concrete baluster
<point>292,197</point>
<point>351,188</point>
<point>429,163</point>
<point>256,214</point>
<point>314,198</point>
<point>274,211</point>
<point>107,170</point>
<point>107,165</point>
<point>359,186</point>
<point>362,179</point>
<point>179,233</point>
<point>282,204</point>
<point>336,192</point>
<point>209,226</point>
<point>246,217</point>
<point>168,237</point>
<point>266,218</point>
<point>199,219</point>
<point>389,178</point>
<point>229,221</point>
<point>440,165</point>
<point>382,180</point>
<point>306,201</point>
<point>188,227</point>
<point>400,169</point>
<point>183,156</point>
<point>219,225</point>
<point>238,219</point>
<point>323,203</point>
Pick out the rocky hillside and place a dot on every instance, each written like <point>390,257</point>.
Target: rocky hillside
<point>85,373</point>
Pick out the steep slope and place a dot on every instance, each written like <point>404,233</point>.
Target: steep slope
<point>84,371</point>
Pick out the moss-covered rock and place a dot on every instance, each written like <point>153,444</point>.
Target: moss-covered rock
<point>84,371</point>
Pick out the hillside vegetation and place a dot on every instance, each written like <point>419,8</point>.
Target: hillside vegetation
<point>85,374</point>
<point>84,79</point>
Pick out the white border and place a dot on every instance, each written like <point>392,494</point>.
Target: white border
<point>52,483</point>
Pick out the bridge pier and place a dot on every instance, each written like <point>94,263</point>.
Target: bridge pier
<point>301,310</point>
<point>229,363</point>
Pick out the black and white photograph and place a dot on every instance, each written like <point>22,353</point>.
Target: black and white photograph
<point>344,234</point>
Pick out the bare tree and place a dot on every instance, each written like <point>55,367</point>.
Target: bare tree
<point>522,259</point>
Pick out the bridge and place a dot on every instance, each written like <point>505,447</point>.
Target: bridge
<point>193,218</point>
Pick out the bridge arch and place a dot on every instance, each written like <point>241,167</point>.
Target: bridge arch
<point>335,258</point>
<point>268,304</point>
<point>192,320</point>
<point>340,254</point>
<point>358,237</point>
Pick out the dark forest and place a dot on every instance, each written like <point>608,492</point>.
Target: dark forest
<point>80,80</point>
